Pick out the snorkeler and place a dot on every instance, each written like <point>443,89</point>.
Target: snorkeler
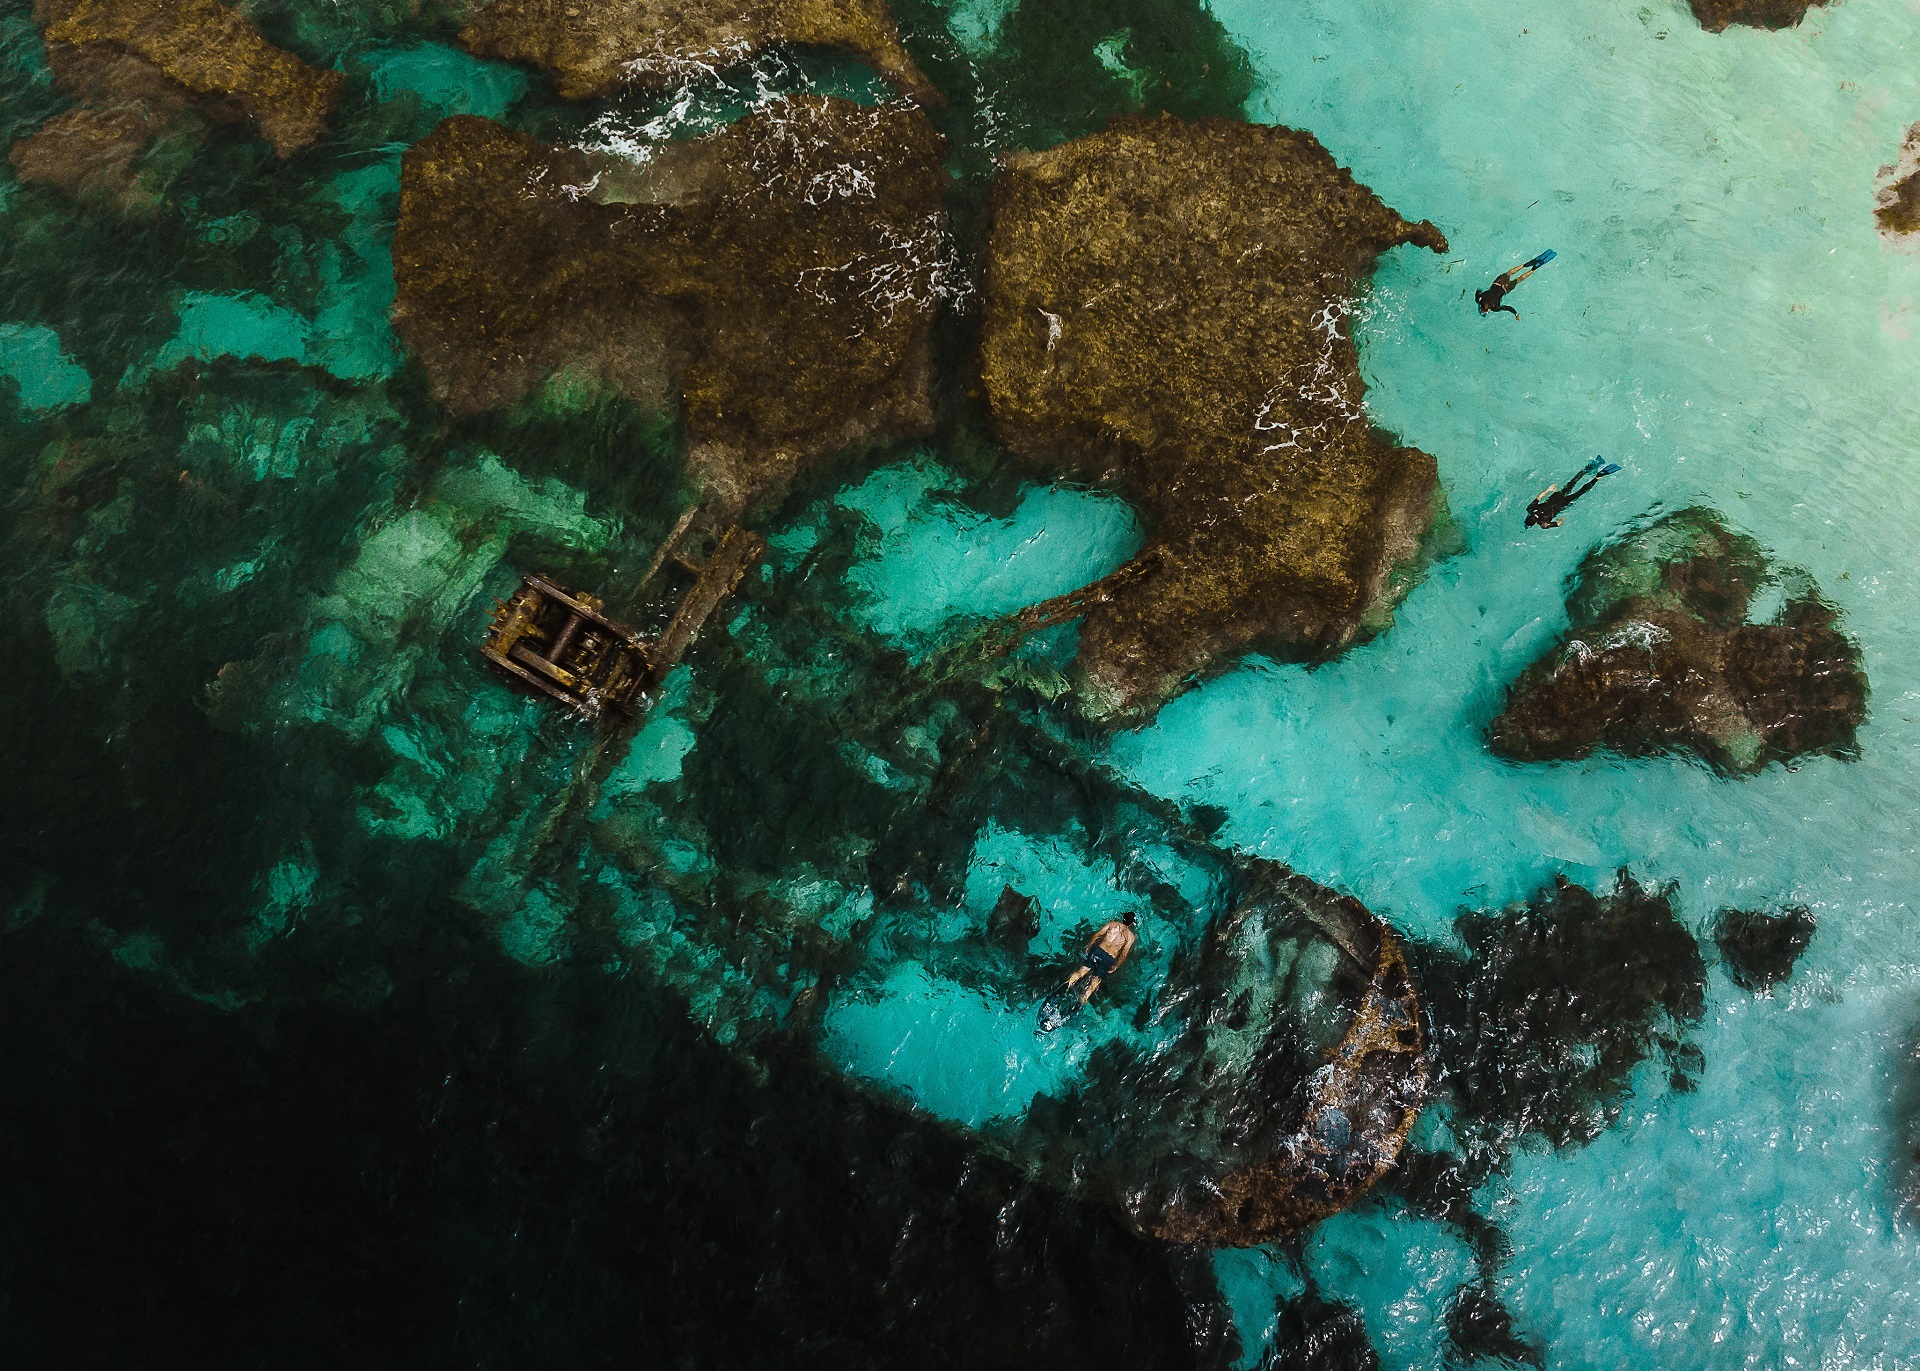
<point>1105,952</point>
<point>1490,298</point>
<point>1546,508</point>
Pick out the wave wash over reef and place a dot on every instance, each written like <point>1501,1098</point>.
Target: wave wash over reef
<point>1052,469</point>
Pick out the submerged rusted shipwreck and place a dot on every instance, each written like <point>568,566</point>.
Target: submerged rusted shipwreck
<point>561,644</point>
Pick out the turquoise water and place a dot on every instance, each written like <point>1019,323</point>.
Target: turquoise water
<point>1722,319</point>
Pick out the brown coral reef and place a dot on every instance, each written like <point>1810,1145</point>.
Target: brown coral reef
<point>1166,312</point>
<point>1898,210</point>
<point>781,274</point>
<point>147,69</point>
<point>1351,1117</point>
<point>1661,657</point>
<point>592,48</point>
<point>1716,16</point>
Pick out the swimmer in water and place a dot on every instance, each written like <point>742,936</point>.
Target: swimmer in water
<point>1547,507</point>
<point>1105,952</point>
<point>1490,299</point>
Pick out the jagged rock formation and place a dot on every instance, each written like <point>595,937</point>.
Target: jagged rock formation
<point>781,274</point>
<point>1660,657</point>
<point>1898,210</point>
<point>1716,16</point>
<point>591,49</point>
<point>1165,312</point>
<point>143,63</point>
<point>1759,949</point>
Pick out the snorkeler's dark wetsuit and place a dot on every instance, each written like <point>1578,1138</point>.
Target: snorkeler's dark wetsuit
<point>1544,510</point>
<point>1490,298</point>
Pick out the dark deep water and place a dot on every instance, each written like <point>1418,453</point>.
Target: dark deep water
<point>492,1168</point>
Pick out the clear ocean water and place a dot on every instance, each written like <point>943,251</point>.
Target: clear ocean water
<point>297,813</point>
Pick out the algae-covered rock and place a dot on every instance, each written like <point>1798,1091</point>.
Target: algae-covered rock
<point>1660,657</point>
<point>1310,1141</point>
<point>115,53</point>
<point>1759,948</point>
<point>781,274</point>
<point>1539,1028</point>
<point>1716,16</point>
<point>94,154</point>
<point>590,49</point>
<point>1898,209</point>
<point>1165,312</point>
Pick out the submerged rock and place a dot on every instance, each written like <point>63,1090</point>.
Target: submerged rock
<point>1715,16</point>
<point>781,274</point>
<point>1760,949</point>
<point>1166,312</point>
<point>1660,656</point>
<point>1331,1137</point>
<point>590,50</point>
<point>1540,1027</point>
<point>1898,210</point>
<point>148,59</point>
<point>100,155</point>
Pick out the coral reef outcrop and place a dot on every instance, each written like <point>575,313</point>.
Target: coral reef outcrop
<point>781,275</point>
<point>1716,16</point>
<point>145,72</point>
<point>592,49</point>
<point>1539,1028</point>
<point>1758,948</point>
<point>162,53</point>
<point>1306,1129</point>
<point>1660,657</point>
<point>1165,312</point>
<point>1898,209</point>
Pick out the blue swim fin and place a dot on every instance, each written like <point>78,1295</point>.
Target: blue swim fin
<point>1606,470</point>
<point>1542,259</point>
<point>1589,468</point>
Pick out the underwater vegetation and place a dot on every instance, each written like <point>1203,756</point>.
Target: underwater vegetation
<point>1663,652</point>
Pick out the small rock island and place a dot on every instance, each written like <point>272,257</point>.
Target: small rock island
<point>781,275</point>
<point>1661,656</point>
<point>591,49</point>
<point>1165,313</point>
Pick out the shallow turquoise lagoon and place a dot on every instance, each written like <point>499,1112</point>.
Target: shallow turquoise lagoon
<point>1724,321</point>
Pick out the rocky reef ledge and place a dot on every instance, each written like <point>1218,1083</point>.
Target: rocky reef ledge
<point>1660,656</point>
<point>1166,312</point>
<point>1716,16</point>
<point>138,65</point>
<point>781,275</point>
<point>590,49</point>
<point>1897,211</point>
